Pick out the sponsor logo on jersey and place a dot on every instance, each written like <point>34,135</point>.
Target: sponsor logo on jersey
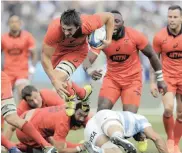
<point>119,57</point>
<point>174,54</point>
<point>92,136</point>
<point>15,51</point>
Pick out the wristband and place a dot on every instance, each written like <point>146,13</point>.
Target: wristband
<point>159,75</point>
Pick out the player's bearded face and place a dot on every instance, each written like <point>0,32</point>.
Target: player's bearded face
<point>174,19</point>
<point>118,25</point>
<point>69,30</point>
<point>14,24</point>
<point>78,118</point>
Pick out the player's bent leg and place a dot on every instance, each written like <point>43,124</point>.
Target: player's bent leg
<point>168,119</point>
<point>131,96</point>
<point>109,94</point>
<point>104,103</point>
<point>178,124</point>
<point>130,107</point>
<point>27,128</point>
<point>104,145</point>
<point>94,149</point>
<point>114,130</point>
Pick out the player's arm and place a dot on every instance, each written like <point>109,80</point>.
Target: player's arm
<point>33,53</point>
<point>46,55</point>
<point>108,20</point>
<point>66,147</point>
<point>158,141</point>
<point>153,86</point>
<point>48,48</point>
<point>32,49</point>
<point>57,77</point>
<point>143,45</point>
<point>87,64</point>
<point>154,61</point>
<point>9,131</point>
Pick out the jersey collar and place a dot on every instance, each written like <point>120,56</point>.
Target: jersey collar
<point>169,33</point>
<point>15,36</point>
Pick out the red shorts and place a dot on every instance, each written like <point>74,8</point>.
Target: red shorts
<point>6,88</point>
<point>76,58</point>
<point>174,84</point>
<point>129,90</point>
<point>19,75</point>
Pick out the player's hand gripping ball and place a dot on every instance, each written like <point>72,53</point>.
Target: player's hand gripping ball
<point>96,38</point>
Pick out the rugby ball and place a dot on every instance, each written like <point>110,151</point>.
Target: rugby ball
<point>96,37</point>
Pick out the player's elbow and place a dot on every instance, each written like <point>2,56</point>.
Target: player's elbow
<point>156,138</point>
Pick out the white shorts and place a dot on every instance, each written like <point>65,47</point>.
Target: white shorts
<point>94,129</point>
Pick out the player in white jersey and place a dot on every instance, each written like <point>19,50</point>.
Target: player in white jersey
<point>108,129</point>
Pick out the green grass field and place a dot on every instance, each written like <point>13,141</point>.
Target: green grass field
<point>76,136</point>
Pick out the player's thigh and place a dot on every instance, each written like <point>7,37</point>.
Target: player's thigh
<point>23,138</point>
<point>179,106</point>
<point>12,77</point>
<point>92,131</point>
<point>131,95</point>
<point>22,79</point>
<point>179,87</point>
<point>6,88</point>
<point>109,91</point>
<point>168,98</point>
<point>109,121</point>
<point>68,63</point>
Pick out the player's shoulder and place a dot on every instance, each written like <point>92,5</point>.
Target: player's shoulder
<point>55,22</point>
<point>130,29</point>
<point>46,91</point>
<point>26,33</point>
<point>5,35</point>
<point>4,75</point>
<point>84,17</point>
<point>162,32</point>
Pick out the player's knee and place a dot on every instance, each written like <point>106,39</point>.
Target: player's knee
<point>168,112</point>
<point>112,126</point>
<point>179,116</point>
<point>130,108</point>
<point>104,104</point>
<point>67,69</point>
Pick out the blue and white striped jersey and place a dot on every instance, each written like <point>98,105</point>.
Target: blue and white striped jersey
<point>132,123</point>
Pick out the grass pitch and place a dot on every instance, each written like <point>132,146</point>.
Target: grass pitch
<point>156,121</point>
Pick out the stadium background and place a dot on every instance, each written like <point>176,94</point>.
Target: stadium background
<point>145,16</point>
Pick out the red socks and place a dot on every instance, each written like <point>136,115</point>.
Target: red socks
<point>30,131</point>
<point>177,132</point>
<point>6,143</point>
<point>169,126</point>
<point>80,92</point>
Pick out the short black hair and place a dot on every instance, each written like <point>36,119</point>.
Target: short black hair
<point>71,17</point>
<point>175,7</point>
<point>116,11</point>
<point>84,107</point>
<point>27,91</point>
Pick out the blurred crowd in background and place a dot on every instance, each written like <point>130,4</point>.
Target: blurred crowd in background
<point>145,16</point>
